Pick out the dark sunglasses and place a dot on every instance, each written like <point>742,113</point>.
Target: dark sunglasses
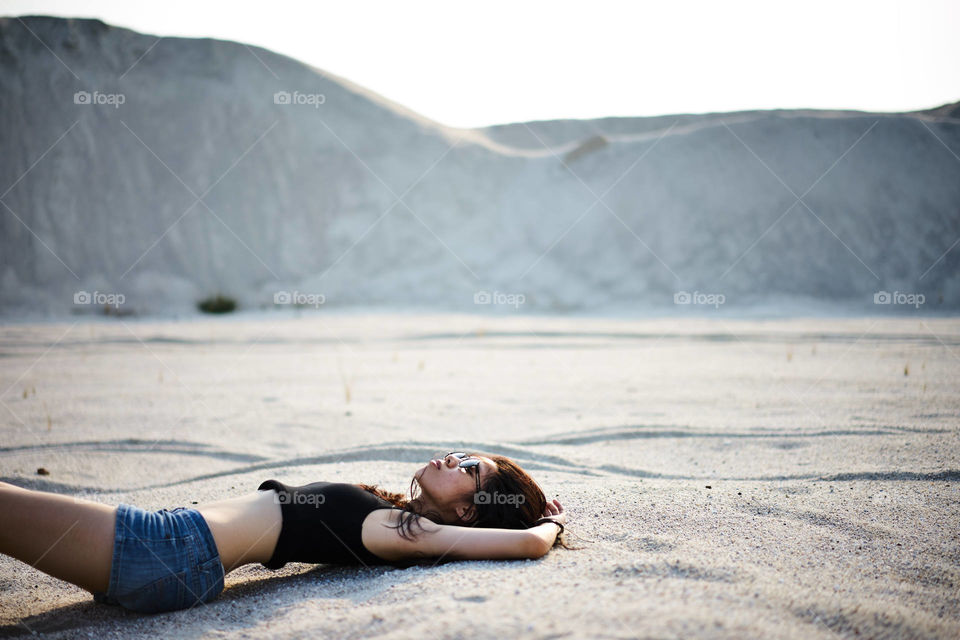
<point>466,462</point>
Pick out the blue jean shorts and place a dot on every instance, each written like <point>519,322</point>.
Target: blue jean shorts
<point>162,560</point>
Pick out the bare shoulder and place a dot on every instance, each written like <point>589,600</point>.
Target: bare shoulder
<point>430,540</point>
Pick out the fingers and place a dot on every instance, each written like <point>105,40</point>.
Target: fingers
<point>553,508</point>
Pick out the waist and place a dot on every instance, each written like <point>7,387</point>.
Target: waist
<point>245,528</point>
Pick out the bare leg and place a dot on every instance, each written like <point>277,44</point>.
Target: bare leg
<point>68,538</point>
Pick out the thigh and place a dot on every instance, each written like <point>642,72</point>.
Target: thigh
<point>68,538</point>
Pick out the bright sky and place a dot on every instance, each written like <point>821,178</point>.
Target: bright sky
<point>472,64</point>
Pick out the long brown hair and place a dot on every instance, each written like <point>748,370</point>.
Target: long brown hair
<point>509,499</point>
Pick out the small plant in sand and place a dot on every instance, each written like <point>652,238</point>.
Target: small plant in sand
<point>47,412</point>
<point>217,304</point>
<point>346,383</point>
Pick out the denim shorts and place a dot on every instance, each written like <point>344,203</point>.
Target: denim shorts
<point>162,561</point>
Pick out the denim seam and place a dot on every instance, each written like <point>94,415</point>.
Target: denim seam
<point>118,549</point>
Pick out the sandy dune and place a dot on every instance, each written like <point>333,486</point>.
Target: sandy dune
<point>204,182</point>
<point>725,478</point>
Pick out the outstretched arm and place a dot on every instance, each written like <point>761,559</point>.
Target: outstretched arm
<point>68,538</point>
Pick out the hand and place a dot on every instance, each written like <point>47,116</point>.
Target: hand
<point>555,510</point>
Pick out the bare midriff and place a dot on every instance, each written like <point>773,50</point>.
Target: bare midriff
<point>245,528</point>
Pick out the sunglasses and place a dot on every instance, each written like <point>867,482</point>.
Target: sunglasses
<point>466,462</point>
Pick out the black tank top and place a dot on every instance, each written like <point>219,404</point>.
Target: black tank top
<point>322,523</point>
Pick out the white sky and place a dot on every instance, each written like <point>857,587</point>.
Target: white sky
<point>472,64</point>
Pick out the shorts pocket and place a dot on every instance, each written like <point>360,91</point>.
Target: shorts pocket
<point>210,575</point>
<point>163,594</point>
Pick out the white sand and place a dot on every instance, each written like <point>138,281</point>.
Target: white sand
<point>835,478</point>
<point>364,202</point>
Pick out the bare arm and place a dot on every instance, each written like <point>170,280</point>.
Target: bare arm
<point>446,541</point>
<point>547,532</point>
<point>454,542</point>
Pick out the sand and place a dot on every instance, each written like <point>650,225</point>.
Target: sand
<point>200,183</point>
<point>792,478</point>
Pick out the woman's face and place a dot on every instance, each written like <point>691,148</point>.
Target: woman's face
<point>445,485</point>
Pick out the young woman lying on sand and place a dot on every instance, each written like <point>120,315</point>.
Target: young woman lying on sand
<point>469,507</point>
